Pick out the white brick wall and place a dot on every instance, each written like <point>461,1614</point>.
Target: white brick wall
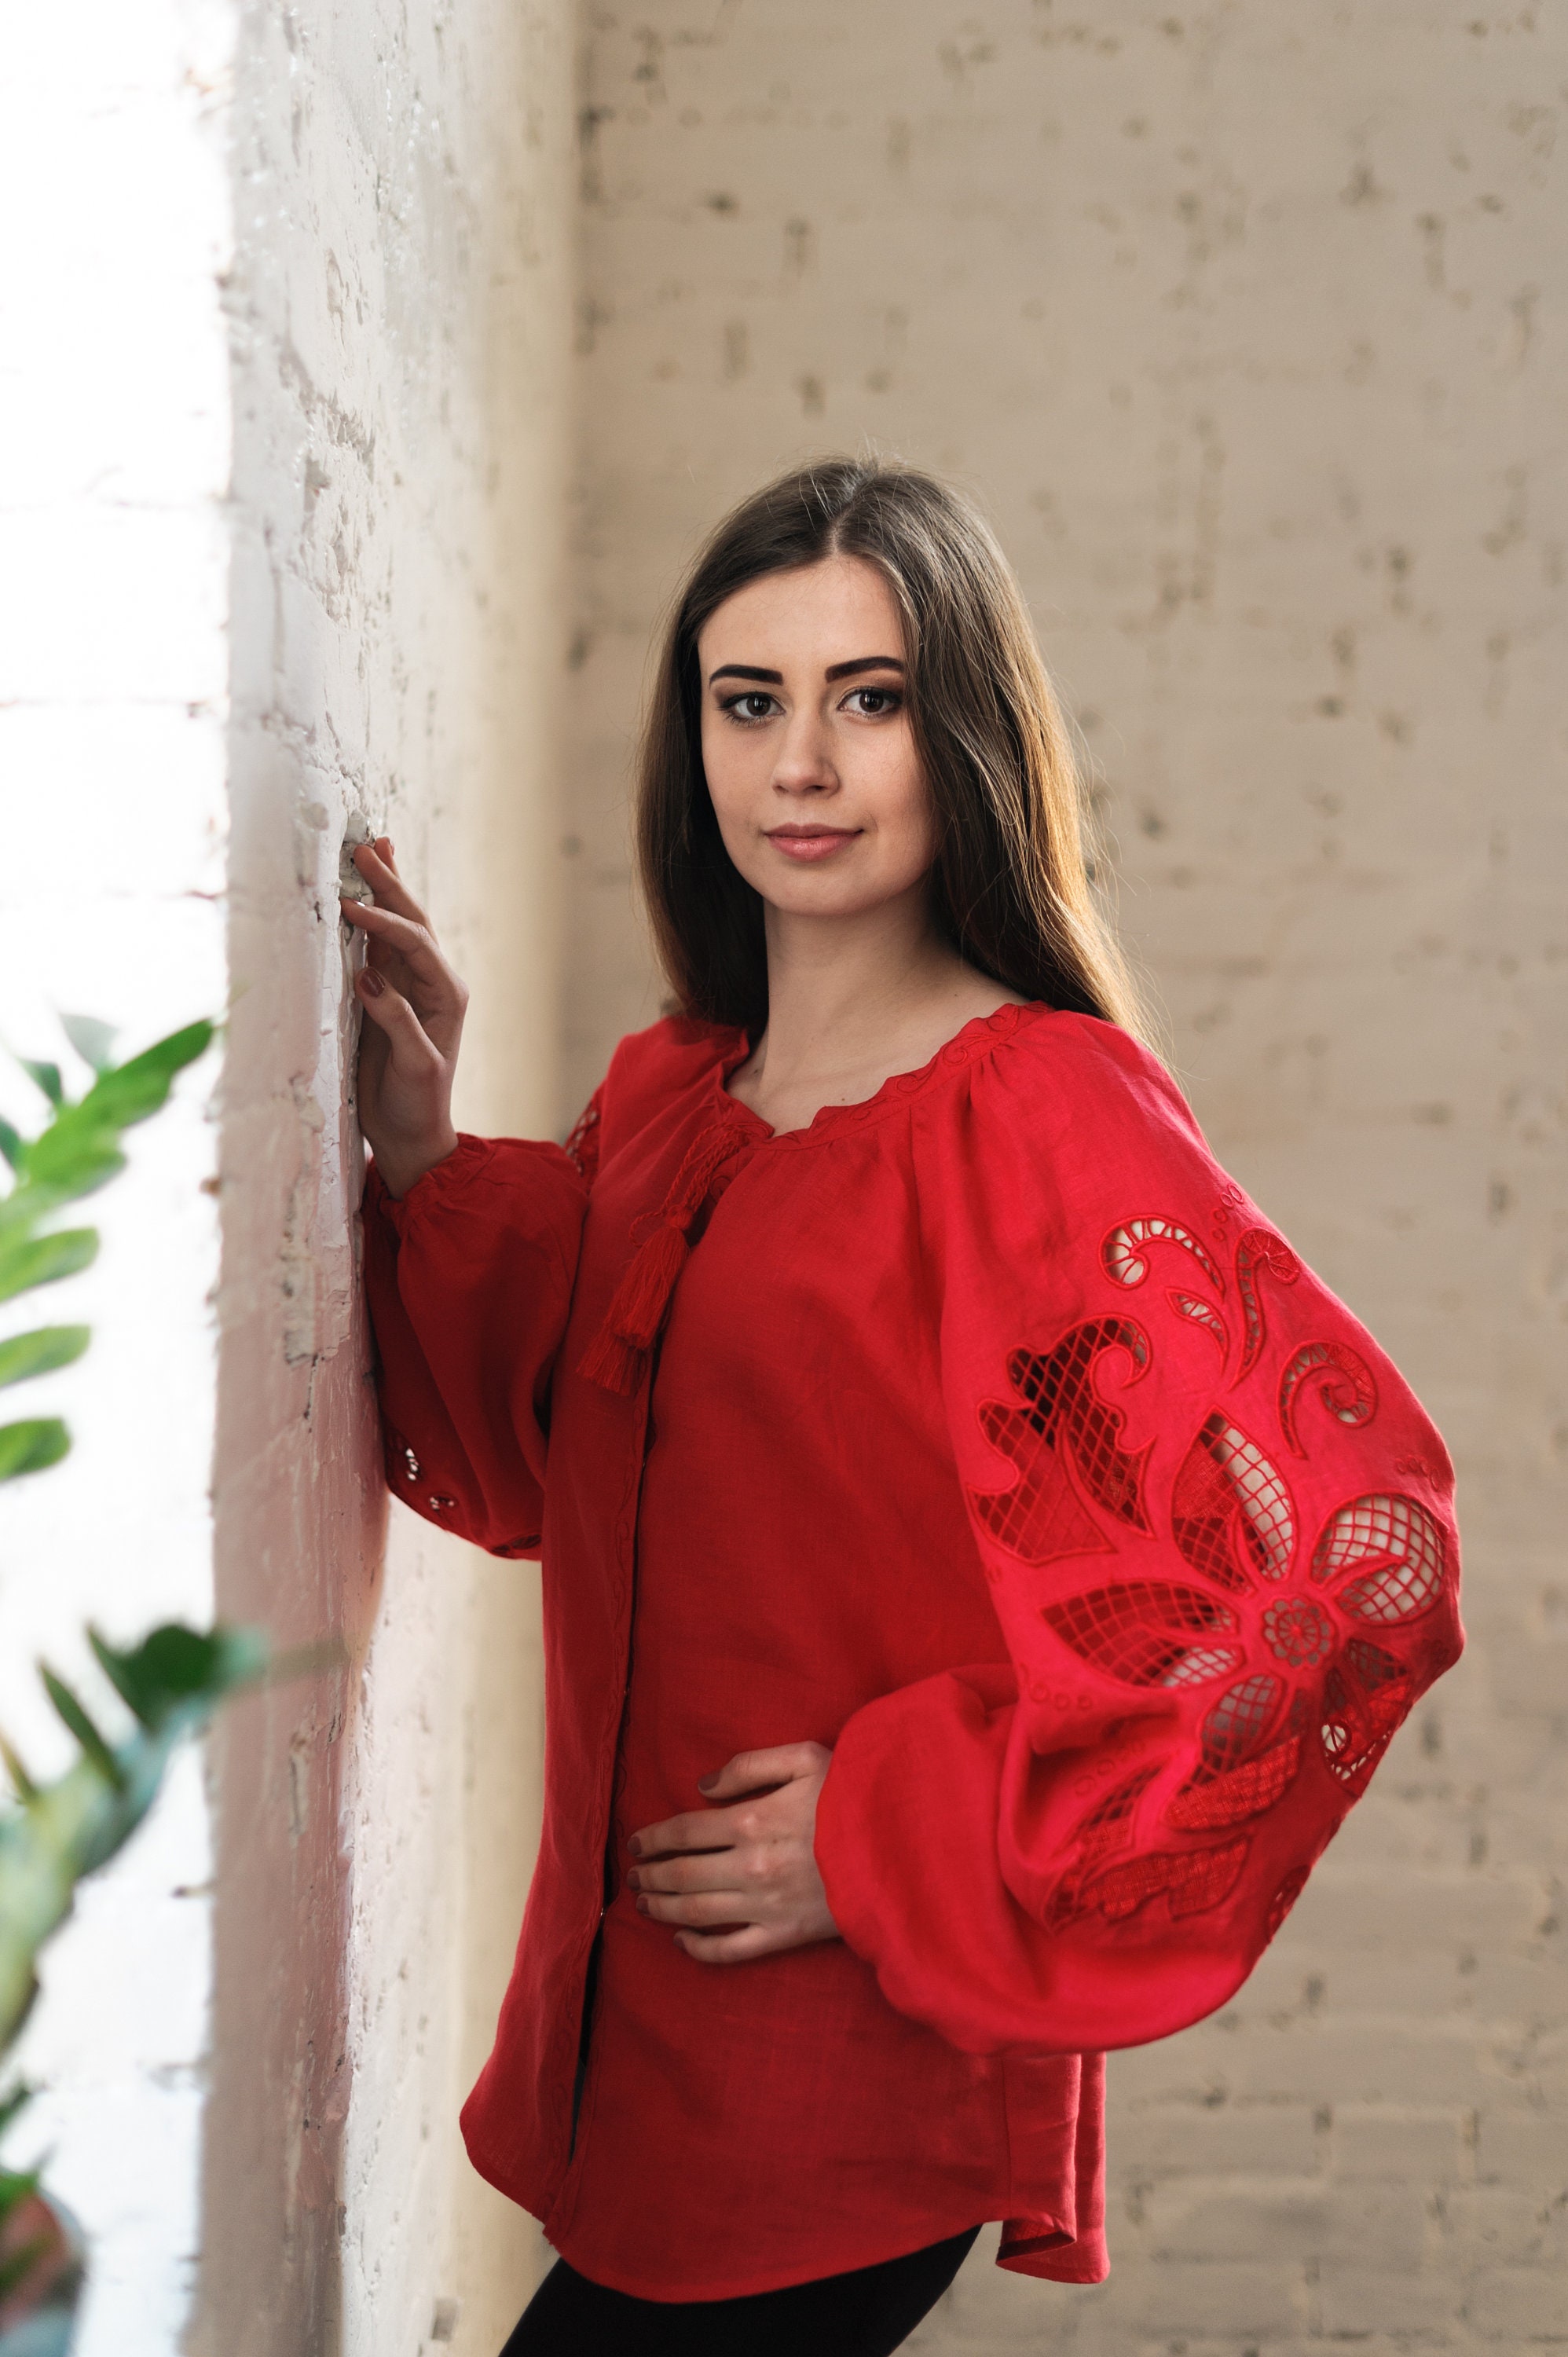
<point>397,308</point>
<point>1247,324</point>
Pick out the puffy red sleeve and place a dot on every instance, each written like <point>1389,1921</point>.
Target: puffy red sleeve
<point>1217,1533</point>
<point>469,1277</point>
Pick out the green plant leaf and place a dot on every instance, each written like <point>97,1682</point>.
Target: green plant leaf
<point>30,1444</point>
<point>42,1352</point>
<point>92,1743</point>
<point>73,1156</point>
<point>10,1143</point>
<point>46,1077</point>
<point>93,1040</point>
<point>132,1091</point>
<point>175,1667</point>
<point>14,2103</point>
<point>27,1261</point>
<point>22,1783</point>
<point>69,1828</point>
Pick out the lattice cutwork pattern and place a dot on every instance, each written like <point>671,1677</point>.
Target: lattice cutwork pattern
<point>1365,1696</point>
<point>1205,1803</point>
<point>1143,1632</point>
<point>1271,1638</point>
<point>1398,1539</point>
<point>1108,1826</point>
<point>1238,1721</point>
<point>1239,1775</point>
<point>1060,1392</point>
<point>1043,1515</point>
<point>1189,1880</point>
<point>1231,1512</point>
<point>1104,1830</point>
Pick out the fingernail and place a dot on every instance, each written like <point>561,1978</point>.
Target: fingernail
<point>707,1783</point>
<point>372,983</point>
<point>634,1881</point>
<point>635,1845</point>
<point>642,1906</point>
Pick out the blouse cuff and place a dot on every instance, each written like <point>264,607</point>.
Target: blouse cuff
<point>442,1184</point>
<point>913,1891</point>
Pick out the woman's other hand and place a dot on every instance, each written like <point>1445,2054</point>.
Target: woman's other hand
<point>408,1049</point>
<point>741,1882</point>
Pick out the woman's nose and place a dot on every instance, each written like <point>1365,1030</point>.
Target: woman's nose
<point>805,762</point>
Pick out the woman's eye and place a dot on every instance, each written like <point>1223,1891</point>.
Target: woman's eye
<point>874,703</point>
<point>754,706</point>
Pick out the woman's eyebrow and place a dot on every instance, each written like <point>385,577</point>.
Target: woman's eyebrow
<point>834,671</point>
<point>863,663</point>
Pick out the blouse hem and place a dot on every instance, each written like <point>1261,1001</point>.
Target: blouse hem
<point>750,2285</point>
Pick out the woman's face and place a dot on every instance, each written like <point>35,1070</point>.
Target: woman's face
<point>806,740</point>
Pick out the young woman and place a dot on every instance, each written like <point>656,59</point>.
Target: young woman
<point>981,1564</point>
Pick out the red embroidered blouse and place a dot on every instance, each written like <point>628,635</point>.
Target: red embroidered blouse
<point>989,1436</point>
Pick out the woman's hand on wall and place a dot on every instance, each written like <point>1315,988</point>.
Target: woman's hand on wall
<point>408,1049</point>
<point>741,1882</point>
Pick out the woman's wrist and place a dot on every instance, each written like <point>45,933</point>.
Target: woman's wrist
<point>401,1168</point>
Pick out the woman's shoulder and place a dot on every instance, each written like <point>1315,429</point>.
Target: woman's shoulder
<point>671,1055</point>
<point>1070,1133</point>
<point>1066,1117</point>
<point>1082,1075</point>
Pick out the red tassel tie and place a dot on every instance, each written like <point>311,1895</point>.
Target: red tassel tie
<point>618,1356</point>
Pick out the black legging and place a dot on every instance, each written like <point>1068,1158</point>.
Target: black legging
<point>865,2313</point>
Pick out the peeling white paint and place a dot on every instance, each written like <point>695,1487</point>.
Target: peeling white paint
<point>398,357</point>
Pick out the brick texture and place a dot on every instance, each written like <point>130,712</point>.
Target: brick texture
<point>1246,322</point>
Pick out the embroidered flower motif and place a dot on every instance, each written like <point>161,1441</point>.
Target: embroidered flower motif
<point>1299,1631</point>
<point>1281,1633</point>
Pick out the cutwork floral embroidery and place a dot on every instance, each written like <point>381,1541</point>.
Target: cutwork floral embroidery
<point>1282,1631</point>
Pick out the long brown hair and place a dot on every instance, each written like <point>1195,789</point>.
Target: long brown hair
<point>1011,885</point>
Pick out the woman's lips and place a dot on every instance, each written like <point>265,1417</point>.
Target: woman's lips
<point>817,842</point>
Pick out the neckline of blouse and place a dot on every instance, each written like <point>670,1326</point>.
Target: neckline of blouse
<point>974,1038</point>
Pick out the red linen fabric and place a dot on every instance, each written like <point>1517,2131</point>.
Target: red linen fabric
<point>986,1433</point>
